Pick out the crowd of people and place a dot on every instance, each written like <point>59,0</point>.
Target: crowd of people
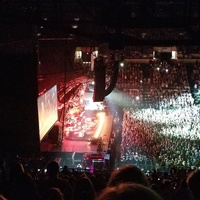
<point>195,79</point>
<point>155,82</point>
<point>157,34</point>
<point>169,85</point>
<point>159,150</point>
<point>161,138</point>
<point>131,52</point>
<point>130,76</point>
<point>146,52</point>
<point>165,132</point>
<point>18,182</point>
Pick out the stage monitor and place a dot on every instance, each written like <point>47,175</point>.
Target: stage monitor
<point>47,111</point>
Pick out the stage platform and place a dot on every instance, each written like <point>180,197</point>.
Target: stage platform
<point>65,151</point>
<point>72,152</point>
<point>86,145</point>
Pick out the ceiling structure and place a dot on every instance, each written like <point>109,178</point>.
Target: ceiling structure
<point>129,22</point>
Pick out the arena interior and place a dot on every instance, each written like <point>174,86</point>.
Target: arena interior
<point>100,84</point>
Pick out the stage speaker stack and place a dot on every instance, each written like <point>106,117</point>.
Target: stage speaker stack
<point>99,73</point>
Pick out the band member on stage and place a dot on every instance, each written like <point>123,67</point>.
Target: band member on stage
<point>99,145</point>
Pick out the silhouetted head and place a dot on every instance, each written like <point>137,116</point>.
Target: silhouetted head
<point>193,181</point>
<point>16,170</point>
<point>127,174</point>
<point>128,191</point>
<point>52,169</point>
<point>53,194</point>
<point>83,189</point>
<point>24,187</point>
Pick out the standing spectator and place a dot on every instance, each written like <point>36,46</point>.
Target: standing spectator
<point>182,193</point>
<point>127,174</point>
<point>54,181</point>
<point>83,189</point>
<point>24,188</point>
<point>193,181</point>
<point>53,194</point>
<point>128,191</point>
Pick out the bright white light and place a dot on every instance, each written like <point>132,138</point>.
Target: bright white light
<point>121,64</point>
<point>78,54</point>
<point>75,26</point>
<point>79,166</point>
<point>101,116</point>
<point>90,105</point>
<point>174,54</point>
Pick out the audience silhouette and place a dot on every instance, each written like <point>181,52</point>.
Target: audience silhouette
<point>127,174</point>
<point>193,181</point>
<point>52,180</point>
<point>128,191</point>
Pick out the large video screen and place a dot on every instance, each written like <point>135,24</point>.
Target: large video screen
<point>47,110</point>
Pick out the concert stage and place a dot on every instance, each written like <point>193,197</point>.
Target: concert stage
<point>79,145</point>
<point>88,144</point>
<point>83,139</point>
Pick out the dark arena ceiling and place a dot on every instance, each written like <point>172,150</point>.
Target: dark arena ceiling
<point>128,22</point>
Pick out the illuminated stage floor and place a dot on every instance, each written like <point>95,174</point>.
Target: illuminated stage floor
<point>86,146</point>
<point>84,128</point>
<point>83,146</point>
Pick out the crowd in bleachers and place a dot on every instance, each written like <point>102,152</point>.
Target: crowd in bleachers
<point>146,52</point>
<point>135,52</point>
<point>155,81</point>
<point>169,85</point>
<point>191,52</point>
<point>130,76</point>
<point>157,34</point>
<point>196,75</point>
<point>169,75</point>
